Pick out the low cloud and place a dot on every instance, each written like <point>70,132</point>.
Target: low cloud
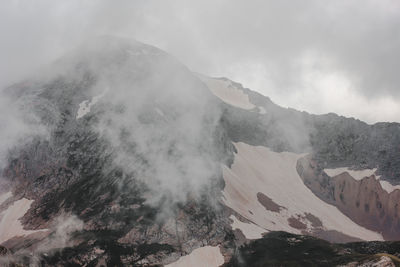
<point>18,125</point>
<point>160,121</point>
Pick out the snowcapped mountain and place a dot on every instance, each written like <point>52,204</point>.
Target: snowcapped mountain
<point>119,155</point>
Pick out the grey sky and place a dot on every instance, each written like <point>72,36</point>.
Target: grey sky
<point>320,56</point>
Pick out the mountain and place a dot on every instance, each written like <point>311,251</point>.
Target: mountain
<point>119,155</point>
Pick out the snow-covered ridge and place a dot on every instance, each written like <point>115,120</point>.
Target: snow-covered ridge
<point>356,174</point>
<point>360,174</point>
<point>227,92</point>
<point>258,170</point>
<point>202,257</point>
<point>388,187</point>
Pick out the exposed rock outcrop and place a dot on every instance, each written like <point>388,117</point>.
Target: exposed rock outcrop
<point>364,201</point>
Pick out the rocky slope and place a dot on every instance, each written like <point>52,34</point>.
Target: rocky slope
<point>283,249</point>
<point>139,162</point>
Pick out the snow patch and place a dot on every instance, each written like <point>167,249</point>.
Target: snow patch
<point>227,92</point>
<point>388,187</point>
<point>358,174</point>
<point>258,169</point>
<point>250,230</point>
<point>202,257</point>
<point>85,106</point>
<point>10,225</point>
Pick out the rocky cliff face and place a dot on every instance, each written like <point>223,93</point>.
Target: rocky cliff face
<point>364,201</point>
<point>127,168</point>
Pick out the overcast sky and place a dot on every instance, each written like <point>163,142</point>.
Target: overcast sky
<point>339,56</point>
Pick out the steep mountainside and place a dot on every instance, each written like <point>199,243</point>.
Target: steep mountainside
<point>141,162</point>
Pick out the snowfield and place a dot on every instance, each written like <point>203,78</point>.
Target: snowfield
<point>261,175</point>
<point>10,225</point>
<point>202,257</point>
<point>227,92</point>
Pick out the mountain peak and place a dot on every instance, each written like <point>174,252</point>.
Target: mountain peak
<point>144,161</point>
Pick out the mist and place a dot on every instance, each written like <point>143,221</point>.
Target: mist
<point>18,125</point>
<point>158,120</point>
<point>161,123</point>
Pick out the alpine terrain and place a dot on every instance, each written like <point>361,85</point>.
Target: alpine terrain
<point>119,155</point>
